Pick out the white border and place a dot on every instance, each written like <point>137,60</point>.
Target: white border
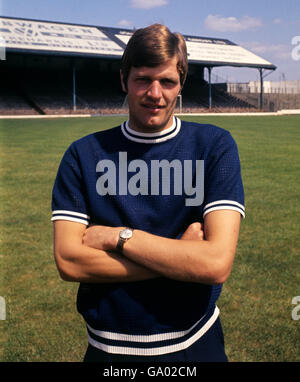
<point>75,216</point>
<point>160,350</point>
<point>219,205</point>
<point>157,137</point>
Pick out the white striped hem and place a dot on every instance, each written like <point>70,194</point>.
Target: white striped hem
<point>152,338</point>
<point>142,337</point>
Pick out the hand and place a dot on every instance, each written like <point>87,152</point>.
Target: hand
<point>193,232</point>
<point>101,237</point>
<point>106,238</point>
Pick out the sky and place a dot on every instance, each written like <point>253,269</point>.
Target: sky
<point>268,28</point>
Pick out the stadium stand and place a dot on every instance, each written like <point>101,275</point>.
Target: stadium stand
<point>56,68</point>
<point>196,95</point>
<point>12,99</point>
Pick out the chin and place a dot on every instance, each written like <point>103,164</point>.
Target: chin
<point>158,122</point>
<point>151,123</point>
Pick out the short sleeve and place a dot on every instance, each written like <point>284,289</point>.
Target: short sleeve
<point>223,181</point>
<point>68,200</point>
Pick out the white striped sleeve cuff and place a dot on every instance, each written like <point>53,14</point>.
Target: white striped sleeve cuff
<point>70,216</point>
<point>224,205</point>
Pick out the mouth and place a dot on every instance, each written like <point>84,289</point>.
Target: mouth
<point>153,107</point>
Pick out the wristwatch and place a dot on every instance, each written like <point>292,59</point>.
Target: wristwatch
<point>124,235</point>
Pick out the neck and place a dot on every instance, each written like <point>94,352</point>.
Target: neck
<point>141,128</point>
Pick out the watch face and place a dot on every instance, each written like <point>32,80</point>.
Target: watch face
<point>126,233</point>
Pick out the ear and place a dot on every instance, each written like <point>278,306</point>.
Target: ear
<point>124,87</point>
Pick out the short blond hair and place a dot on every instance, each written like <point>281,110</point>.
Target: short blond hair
<point>153,46</point>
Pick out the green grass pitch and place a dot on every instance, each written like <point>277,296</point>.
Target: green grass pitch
<point>256,304</point>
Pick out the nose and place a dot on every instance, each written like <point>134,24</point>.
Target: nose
<point>154,90</point>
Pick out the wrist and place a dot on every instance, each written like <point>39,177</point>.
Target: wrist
<point>109,238</point>
<point>125,234</point>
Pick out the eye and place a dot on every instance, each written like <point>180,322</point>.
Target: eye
<point>142,80</point>
<point>168,82</point>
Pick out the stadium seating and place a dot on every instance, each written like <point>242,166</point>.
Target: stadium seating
<point>41,90</point>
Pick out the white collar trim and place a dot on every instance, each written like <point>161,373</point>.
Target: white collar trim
<point>158,137</point>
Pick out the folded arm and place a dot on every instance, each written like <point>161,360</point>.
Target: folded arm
<point>89,255</point>
<point>78,262</point>
<point>206,261</point>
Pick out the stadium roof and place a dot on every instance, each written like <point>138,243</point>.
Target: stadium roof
<point>35,36</point>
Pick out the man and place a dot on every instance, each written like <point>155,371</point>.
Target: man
<point>146,217</point>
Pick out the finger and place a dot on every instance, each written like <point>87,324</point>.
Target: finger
<point>193,232</point>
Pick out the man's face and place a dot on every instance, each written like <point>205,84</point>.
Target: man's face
<point>152,95</point>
